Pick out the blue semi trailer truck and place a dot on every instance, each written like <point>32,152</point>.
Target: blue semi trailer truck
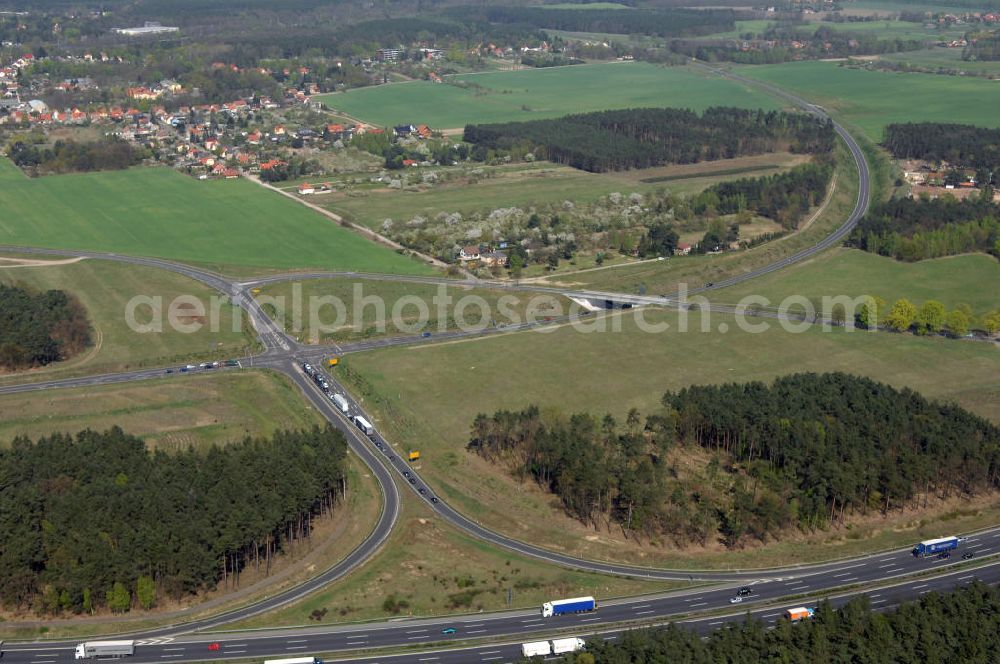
<point>575,605</point>
<point>930,546</point>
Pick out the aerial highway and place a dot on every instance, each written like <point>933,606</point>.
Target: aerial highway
<point>187,640</point>
<point>765,603</point>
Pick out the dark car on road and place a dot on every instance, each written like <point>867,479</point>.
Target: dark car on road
<point>968,555</point>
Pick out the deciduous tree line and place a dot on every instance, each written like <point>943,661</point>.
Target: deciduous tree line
<point>100,521</point>
<point>915,229</point>
<point>646,137</point>
<point>929,318</point>
<point>39,328</point>
<point>805,451</point>
<point>961,626</point>
<point>70,156</point>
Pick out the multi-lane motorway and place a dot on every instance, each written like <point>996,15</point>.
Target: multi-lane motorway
<point>188,642</point>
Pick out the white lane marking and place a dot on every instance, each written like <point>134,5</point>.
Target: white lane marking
<point>177,655</point>
<point>884,559</point>
<point>169,649</point>
<point>880,601</point>
<point>641,606</point>
<point>717,622</point>
<point>296,647</point>
<point>236,645</point>
<point>770,615</point>
<point>610,638</point>
<point>426,659</point>
<point>889,565</point>
<point>296,640</point>
<point>589,619</point>
<point>698,604</point>
<point>837,576</point>
<point>922,585</point>
<point>486,659</point>
<point>851,578</point>
<point>416,631</point>
<point>475,624</point>
<point>642,613</point>
<point>876,595</point>
<point>967,576</point>
<point>234,652</point>
<point>489,652</point>
<point>356,643</point>
<point>924,592</point>
<point>474,631</point>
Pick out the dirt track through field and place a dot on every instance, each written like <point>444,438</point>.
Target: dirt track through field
<point>34,262</point>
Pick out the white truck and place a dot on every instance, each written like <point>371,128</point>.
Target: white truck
<point>563,646</point>
<point>364,425</point>
<point>536,649</point>
<point>341,402</point>
<point>97,649</point>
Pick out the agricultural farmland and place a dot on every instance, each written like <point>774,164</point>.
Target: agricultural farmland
<point>159,212</point>
<point>542,93</point>
<point>869,100</point>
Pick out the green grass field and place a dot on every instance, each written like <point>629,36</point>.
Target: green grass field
<point>972,280</point>
<point>584,5</point>
<point>105,288</point>
<point>944,58</point>
<point>426,398</point>
<point>543,93</point>
<point>170,413</point>
<point>159,212</point>
<point>436,570</point>
<point>870,100</point>
<point>369,322</point>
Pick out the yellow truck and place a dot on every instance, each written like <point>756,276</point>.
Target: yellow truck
<point>414,455</point>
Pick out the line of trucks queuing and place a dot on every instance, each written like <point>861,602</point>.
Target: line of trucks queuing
<point>339,400</point>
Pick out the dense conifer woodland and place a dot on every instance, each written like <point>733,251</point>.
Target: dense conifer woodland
<point>959,145</point>
<point>645,137</point>
<point>37,328</point>
<point>98,520</point>
<point>911,229</point>
<point>743,462</point>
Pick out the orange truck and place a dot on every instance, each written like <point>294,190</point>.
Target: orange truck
<point>414,455</point>
<point>799,613</point>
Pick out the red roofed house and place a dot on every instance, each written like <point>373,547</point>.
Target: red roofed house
<point>272,163</point>
<point>306,188</point>
<point>683,249</point>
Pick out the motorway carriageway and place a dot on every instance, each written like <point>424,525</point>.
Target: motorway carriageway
<point>509,629</point>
